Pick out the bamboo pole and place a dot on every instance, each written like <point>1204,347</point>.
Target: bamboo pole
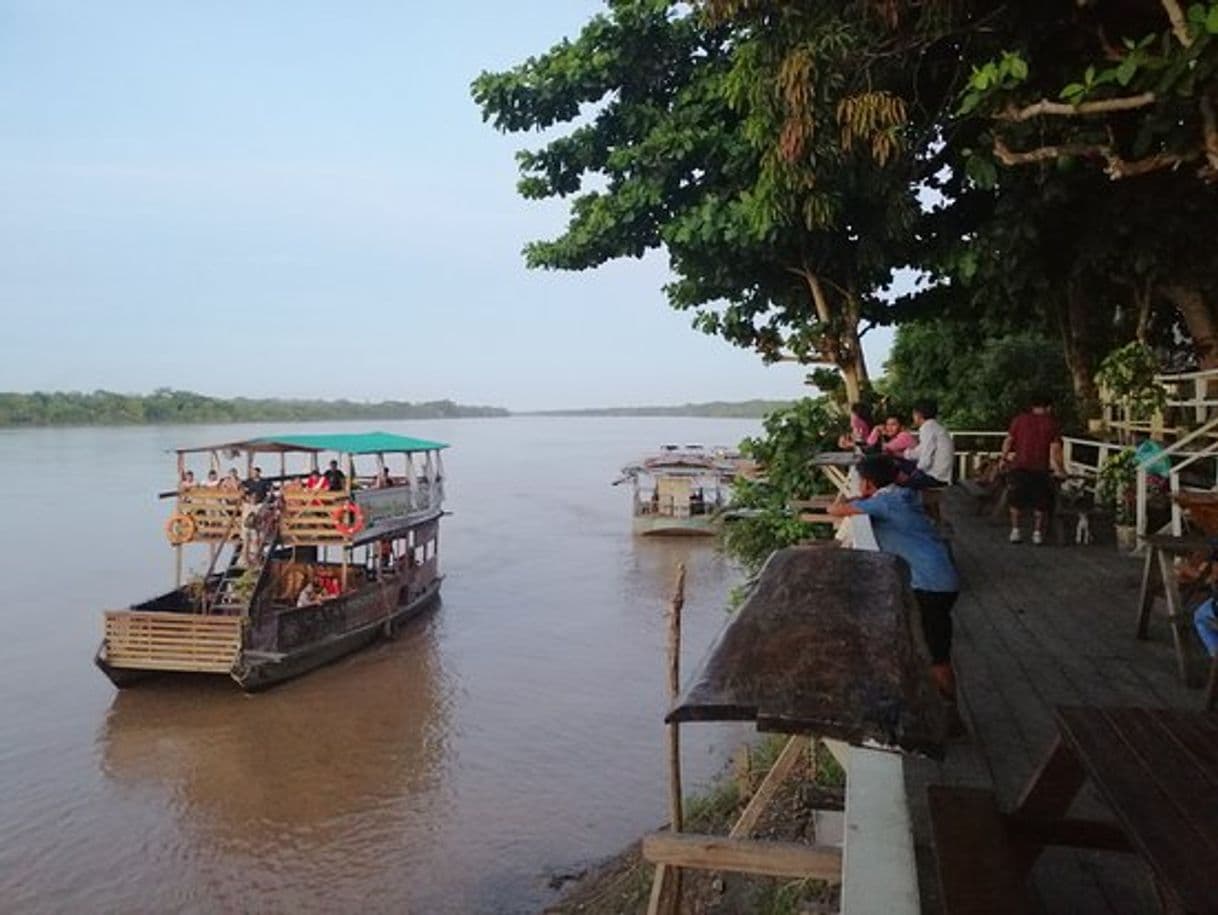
<point>666,886</point>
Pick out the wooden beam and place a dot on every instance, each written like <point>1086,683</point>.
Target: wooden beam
<point>748,856</point>
<point>768,788</point>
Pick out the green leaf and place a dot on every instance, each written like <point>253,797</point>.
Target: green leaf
<point>1196,13</point>
<point>1073,90</point>
<point>1211,20</point>
<point>971,101</point>
<point>1125,72</point>
<point>1019,67</point>
<point>1089,76</point>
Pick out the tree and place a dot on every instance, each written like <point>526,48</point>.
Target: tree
<point>774,157</point>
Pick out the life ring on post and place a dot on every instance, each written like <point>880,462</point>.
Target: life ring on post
<point>180,529</point>
<point>348,519</point>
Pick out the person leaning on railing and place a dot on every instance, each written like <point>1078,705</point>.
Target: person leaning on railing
<point>903,528</point>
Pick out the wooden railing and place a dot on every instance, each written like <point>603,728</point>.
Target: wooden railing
<point>172,641</point>
<point>309,517</point>
<point>214,512</point>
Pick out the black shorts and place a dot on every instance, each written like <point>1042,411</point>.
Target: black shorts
<point>935,608</point>
<point>1031,489</point>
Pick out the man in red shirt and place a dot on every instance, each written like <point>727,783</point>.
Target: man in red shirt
<point>1032,451</point>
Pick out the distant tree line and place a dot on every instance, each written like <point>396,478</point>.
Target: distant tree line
<point>719,409</point>
<point>107,408</point>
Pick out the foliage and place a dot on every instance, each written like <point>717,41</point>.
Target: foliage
<point>791,437</point>
<point>980,380</point>
<point>106,408</point>
<point>1115,486</point>
<point>774,158</point>
<point>1129,373</point>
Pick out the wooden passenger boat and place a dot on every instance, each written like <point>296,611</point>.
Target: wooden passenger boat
<point>681,490</point>
<point>299,568</point>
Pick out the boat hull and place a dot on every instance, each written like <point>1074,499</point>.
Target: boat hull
<point>256,670</point>
<point>662,526</point>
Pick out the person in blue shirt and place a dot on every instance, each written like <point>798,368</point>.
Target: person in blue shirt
<point>902,527</point>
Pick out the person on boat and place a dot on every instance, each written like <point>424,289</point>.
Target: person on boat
<point>383,480</point>
<point>336,480</point>
<point>232,480</point>
<point>188,480</point>
<point>256,487</point>
<point>903,528</point>
<point>891,437</point>
<point>213,479</point>
<point>310,594</point>
<point>315,482</point>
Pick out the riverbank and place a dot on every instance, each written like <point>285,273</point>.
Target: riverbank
<point>622,884</point>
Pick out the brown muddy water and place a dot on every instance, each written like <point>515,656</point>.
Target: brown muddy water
<point>511,734</point>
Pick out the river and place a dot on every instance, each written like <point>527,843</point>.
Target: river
<point>512,733</point>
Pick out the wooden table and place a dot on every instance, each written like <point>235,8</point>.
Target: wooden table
<point>836,465</point>
<point>1159,574</point>
<point>1157,769</point>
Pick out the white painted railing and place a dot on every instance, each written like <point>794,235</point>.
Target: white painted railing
<point>879,869</point>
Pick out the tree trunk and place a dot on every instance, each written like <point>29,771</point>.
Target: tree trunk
<point>1200,320</point>
<point>1080,359</point>
<point>843,346</point>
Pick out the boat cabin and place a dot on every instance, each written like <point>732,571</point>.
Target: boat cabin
<point>679,490</point>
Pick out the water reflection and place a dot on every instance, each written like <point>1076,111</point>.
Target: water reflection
<point>360,741</point>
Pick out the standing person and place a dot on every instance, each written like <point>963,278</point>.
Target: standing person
<point>336,480</point>
<point>903,528</point>
<point>929,464</point>
<point>1033,452</point>
<point>256,487</point>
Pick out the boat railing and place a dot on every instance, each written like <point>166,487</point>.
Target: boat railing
<point>312,517</point>
<point>149,640</point>
<point>213,512</point>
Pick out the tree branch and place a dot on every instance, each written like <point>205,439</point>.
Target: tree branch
<point>1179,25</point>
<point>1104,106</point>
<point>1115,167</point>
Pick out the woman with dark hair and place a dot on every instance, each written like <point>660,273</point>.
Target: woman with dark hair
<point>860,427</point>
<point>891,437</point>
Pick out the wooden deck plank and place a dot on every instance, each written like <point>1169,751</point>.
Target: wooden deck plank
<point>1038,627</point>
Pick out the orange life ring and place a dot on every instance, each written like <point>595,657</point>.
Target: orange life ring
<point>348,519</point>
<point>180,528</point>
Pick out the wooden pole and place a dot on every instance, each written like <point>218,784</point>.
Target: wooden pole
<point>666,886</point>
<point>676,815</point>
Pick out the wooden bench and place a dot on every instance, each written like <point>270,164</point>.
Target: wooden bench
<point>978,868</point>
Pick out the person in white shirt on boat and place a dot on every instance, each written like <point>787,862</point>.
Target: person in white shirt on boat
<point>928,465</point>
<point>310,594</point>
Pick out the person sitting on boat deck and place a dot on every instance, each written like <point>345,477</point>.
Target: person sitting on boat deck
<point>315,481</point>
<point>383,479</point>
<point>188,480</point>
<point>928,465</point>
<point>903,528</point>
<point>231,480</point>
<point>213,479</point>
<point>256,487</point>
<point>336,480</point>
<point>891,437</point>
<point>310,594</point>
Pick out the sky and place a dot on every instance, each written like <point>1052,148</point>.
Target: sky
<point>299,199</point>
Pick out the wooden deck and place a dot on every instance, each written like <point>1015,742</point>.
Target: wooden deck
<point>1038,627</point>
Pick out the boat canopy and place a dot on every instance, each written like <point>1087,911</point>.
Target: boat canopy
<point>357,443</point>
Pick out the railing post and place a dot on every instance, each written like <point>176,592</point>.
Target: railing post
<point>1141,502</point>
<point>1201,390</point>
<point>1177,514</point>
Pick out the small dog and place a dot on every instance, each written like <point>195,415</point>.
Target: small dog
<point>1075,498</point>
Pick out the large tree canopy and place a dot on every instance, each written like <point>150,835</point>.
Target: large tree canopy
<point>1049,166</point>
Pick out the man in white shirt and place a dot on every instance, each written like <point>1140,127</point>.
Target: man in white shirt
<point>929,464</point>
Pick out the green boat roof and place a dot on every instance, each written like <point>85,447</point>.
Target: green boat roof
<point>357,443</point>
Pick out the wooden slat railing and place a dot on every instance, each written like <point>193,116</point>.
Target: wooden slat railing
<point>308,517</point>
<point>172,641</point>
<point>214,512</point>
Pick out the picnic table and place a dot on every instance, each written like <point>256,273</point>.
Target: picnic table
<point>1157,769</point>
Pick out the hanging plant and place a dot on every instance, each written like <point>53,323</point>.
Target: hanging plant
<point>1129,375</point>
<point>1115,486</point>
